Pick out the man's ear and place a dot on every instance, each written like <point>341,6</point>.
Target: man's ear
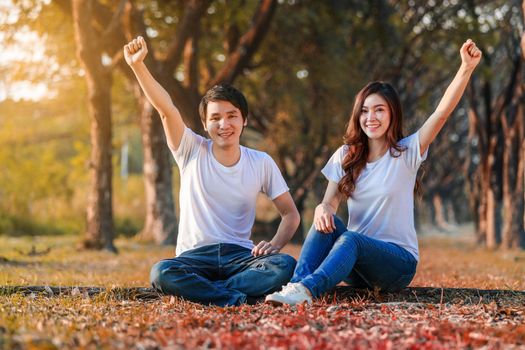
<point>204,126</point>
<point>245,122</point>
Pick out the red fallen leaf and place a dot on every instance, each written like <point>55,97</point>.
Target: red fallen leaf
<point>300,309</point>
<point>160,336</point>
<point>133,331</point>
<point>322,313</point>
<point>431,306</point>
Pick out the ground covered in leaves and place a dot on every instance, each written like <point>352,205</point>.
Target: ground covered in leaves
<point>170,323</point>
<point>445,318</point>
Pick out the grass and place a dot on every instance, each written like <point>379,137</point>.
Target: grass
<point>106,321</point>
<point>65,265</point>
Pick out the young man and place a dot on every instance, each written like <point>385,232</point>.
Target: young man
<point>216,261</point>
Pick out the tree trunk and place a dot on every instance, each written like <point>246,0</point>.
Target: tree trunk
<point>439,212</point>
<point>490,220</point>
<point>451,215</point>
<point>161,223</point>
<point>522,163</point>
<point>487,209</point>
<point>100,228</point>
<point>512,189</point>
<point>471,170</point>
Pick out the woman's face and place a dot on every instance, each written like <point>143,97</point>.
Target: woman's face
<point>375,117</point>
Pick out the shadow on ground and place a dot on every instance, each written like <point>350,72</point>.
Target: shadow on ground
<point>340,294</point>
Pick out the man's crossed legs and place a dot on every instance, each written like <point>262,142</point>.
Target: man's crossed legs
<point>222,274</point>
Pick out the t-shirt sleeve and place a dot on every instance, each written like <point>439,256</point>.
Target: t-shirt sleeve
<point>273,183</point>
<point>189,145</point>
<point>333,170</point>
<point>412,154</point>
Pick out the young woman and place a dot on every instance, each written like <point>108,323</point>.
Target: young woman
<point>375,170</point>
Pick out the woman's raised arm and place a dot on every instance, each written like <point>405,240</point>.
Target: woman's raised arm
<point>470,57</point>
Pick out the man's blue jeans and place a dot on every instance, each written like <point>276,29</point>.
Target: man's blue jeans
<point>363,262</point>
<point>222,274</point>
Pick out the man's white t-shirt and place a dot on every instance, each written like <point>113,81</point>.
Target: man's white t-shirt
<point>382,204</point>
<point>217,203</point>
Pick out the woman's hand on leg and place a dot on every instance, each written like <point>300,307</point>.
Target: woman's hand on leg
<point>324,218</point>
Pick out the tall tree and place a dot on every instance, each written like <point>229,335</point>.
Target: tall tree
<point>496,130</point>
<point>100,228</point>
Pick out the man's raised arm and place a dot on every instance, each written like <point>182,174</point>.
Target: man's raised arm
<point>134,53</point>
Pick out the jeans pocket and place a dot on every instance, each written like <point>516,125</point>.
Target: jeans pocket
<point>402,282</point>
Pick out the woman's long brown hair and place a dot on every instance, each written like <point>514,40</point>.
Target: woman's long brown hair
<point>357,141</point>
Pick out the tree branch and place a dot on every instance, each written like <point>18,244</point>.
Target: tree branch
<point>248,43</point>
<point>64,5</point>
<point>189,24</point>
<point>88,47</point>
<point>191,61</point>
<point>116,19</point>
<point>505,98</point>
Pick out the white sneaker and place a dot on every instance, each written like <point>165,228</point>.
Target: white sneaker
<point>291,294</point>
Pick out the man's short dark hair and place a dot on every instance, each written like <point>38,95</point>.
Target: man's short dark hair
<point>224,92</point>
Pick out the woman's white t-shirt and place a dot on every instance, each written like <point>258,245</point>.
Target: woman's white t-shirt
<point>217,203</point>
<point>382,204</point>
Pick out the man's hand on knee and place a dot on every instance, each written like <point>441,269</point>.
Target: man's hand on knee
<point>264,248</point>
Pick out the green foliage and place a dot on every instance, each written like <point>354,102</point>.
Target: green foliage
<point>128,204</point>
<point>319,54</point>
<point>41,34</point>
<point>45,150</point>
<point>35,180</point>
<point>6,224</point>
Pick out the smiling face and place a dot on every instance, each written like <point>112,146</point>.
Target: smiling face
<point>375,117</point>
<point>224,123</point>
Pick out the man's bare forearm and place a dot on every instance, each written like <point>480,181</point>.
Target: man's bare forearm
<point>287,228</point>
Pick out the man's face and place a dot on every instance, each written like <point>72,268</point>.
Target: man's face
<point>224,123</point>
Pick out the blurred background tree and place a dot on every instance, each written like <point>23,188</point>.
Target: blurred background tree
<point>300,63</point>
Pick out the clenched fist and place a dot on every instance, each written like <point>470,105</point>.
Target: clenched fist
<point>470,54</point>
<point>135,51</point>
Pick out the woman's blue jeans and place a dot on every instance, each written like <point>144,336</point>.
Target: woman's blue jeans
<point>222,274</point>
<point>363,262</point>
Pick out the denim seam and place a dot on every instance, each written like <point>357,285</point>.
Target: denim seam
<point>219,268</point>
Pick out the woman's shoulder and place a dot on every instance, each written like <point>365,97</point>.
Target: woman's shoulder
<point>411,151</point>
<point>340,153</point>
<point>342,150</point>
<point>409,140</point>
